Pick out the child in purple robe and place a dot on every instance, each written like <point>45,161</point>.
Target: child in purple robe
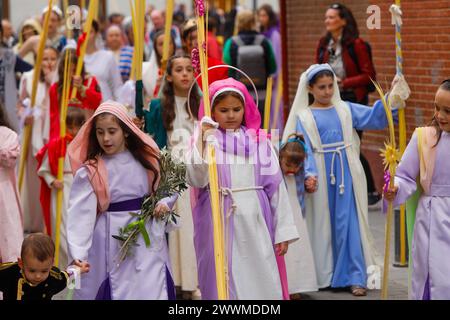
<point>256,214</point>
<point>115,166</point>
<point>425,168</point>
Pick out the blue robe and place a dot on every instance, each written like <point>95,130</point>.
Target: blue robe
<point>348,258</point>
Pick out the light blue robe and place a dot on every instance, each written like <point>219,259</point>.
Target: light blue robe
<point>348,258</point>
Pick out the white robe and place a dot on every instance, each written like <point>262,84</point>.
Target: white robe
<point>254,267</point>
<point>45,172</point>
<point>181,241</point>
<point>102,65</point>
<point>32,210</point>
<point>300,266</point>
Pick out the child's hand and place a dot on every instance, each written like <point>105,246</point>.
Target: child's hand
<point>77,82</point>
<point>281,248</point>
<point>311,184</point>
<point>207,123</point>
<point>390,194</point>
<point>57,184</point>
<point>160,210</point>
<point>29,120</point>
<point>83,265</point>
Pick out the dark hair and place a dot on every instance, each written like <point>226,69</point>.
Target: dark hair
<point>73,61</point>
<point>273,19</point>
<point>294,152</point>
<point>168,96</point>
<point>38,245</point>
<point>320,74</point>
<point>350,32</point>
<point>112,16</point>
<point>42,76</point>
<point>4,117</point>
<point>445,85</point>
<point>225,94</point>
<point>133,143</point>
<point>75,116</point>
<point>158,56</point>
<point>212,23</point>
<point>95,26</point>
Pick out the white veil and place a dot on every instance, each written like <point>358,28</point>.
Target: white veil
<point>301,101</point>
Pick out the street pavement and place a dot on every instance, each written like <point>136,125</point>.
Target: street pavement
<point>398,276</point>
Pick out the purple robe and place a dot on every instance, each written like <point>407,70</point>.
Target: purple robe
<point>430,277</point>
<point>143,275</point>
<point>262,217</point>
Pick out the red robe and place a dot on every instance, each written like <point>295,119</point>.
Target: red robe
<point>90,101</point>
<point>55,149</point>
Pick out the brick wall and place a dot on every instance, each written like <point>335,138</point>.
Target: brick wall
<point>426,53</point>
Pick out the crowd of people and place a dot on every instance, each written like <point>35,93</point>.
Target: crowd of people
<point>294,210</point>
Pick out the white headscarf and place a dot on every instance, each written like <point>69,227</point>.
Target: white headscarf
<point>301,100</point>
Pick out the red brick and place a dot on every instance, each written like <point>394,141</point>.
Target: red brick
<point>425,46</point>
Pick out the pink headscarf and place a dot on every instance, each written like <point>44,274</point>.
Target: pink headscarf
<point>98,175</point>
<point>252,118</point>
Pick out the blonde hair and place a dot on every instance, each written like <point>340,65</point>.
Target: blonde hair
<point>246,21</point>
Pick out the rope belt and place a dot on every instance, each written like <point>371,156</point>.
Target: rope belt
<point>338,147</point>
<point>229,192</point>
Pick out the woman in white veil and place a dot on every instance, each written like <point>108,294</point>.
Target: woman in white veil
<point>337,212</point>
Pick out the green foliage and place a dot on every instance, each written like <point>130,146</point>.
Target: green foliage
<point>173,181</point>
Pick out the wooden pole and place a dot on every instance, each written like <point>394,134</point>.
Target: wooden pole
<point>390,155</point>
<point>267,103</point>
<point>61,159</point>
<point>36,75</point>
<point>218,231</point>
<point>167,35</point>
<point>401,136</point>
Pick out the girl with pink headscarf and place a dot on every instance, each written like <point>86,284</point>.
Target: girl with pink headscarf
<point>256,212</point>
<point>115,165</point>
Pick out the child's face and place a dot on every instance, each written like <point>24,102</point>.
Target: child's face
<point>160,46</point>
<point>229,113</point>
<point>35,271</point>
<point>289,168</point>
<point>49,60</point>
<point>322,91</point>
<point>110,135</point>
<point>442,109</point>
<point>182,74</point>
<point>191,41</point>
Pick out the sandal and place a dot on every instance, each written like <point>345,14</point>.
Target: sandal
<point>358,291</point>
<point>295,296</point>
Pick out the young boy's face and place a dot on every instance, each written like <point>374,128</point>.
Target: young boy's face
<point>289,168</point>
<point>35,271</point>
